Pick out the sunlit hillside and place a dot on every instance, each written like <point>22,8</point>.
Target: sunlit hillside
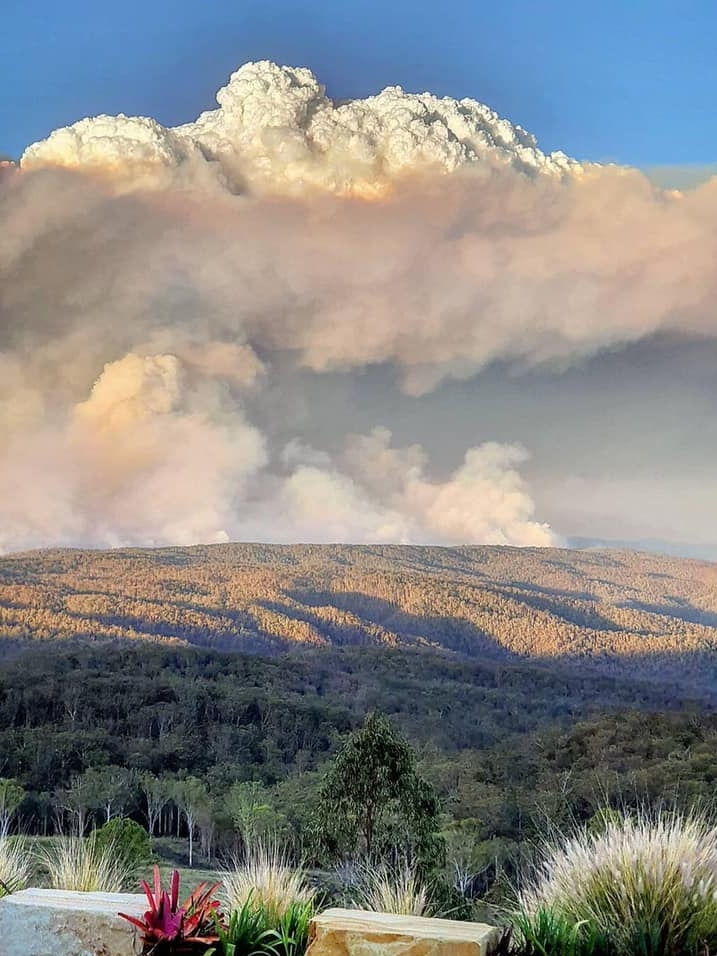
<point>639,612</point>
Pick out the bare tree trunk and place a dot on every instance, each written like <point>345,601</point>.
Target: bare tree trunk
<point>190,829</point>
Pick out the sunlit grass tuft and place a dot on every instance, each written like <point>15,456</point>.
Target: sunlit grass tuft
<point>646,884</point>
<point>266,875</point>
<point>80,863</point>
<point>15,864</point>
<point>396,889</point>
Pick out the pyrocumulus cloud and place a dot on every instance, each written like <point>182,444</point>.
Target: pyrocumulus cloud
<point>156,284</point>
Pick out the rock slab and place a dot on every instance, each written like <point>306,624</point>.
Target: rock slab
<point>339,932</point>
<point>58,923</point>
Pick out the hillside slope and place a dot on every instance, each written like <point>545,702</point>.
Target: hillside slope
<point>639,613</point>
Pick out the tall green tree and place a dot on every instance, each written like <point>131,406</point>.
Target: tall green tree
<point>109,789</point>
<point>78,800</point>
<point>157,792</point>
<point>192,798</point>
<point>373,801</point>
<point>250,808</point>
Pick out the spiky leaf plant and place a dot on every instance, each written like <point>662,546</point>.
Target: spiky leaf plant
<point>292,933</point>
<point>246,933</point>
<point>171,929</point>
<point>548,933</point>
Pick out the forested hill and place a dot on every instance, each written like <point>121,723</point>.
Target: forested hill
<point>621,611</point>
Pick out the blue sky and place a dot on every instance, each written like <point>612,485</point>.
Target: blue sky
<point>633,81</point>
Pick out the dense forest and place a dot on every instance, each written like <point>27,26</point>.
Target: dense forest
<point>506,745</point>
<point>534,685</point>
<point>621,612</point>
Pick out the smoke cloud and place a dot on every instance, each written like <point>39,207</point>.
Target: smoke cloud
<point>164,293</point>
<point>277,131</point>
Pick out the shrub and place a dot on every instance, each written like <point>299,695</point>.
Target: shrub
<point>15,865</point>
<point>644,885</point>
<point>81,863</point>
<point>129,840</point>
<point>265,875</point>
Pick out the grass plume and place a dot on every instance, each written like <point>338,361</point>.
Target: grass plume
<point>81,863</point>
<point>15,864</point>
<point>266,876</point>
<point>646,884</point>
<point>396,889</point>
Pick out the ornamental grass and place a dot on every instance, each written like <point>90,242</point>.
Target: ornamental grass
<point>266,876</point>
<point>644,886</point>
<point>15,864</point>
<point>86,864</point>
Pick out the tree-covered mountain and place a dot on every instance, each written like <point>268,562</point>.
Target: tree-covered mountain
<point>534,684</point>
<point>616,612</point>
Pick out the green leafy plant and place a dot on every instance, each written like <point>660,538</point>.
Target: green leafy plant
<point>292,934</point>
<point>129,839</point>
<point>251,931</point>
<point>247,932</point>
<point>169,929</point>
<point>546,933</point>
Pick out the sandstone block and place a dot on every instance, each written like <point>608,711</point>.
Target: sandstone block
<point>339,932</point>
<point>58,923</point>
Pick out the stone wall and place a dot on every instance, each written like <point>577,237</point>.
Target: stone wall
<point>59,923</point>
<point>56,923</point>
<point>340,932</point>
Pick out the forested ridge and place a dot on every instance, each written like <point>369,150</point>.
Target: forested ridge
<point>171,709</point>
<point>506,745</point>
<point>620,612</point>
<point>534,685</point>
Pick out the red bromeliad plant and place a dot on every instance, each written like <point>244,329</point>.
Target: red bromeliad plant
<point>172,930</point>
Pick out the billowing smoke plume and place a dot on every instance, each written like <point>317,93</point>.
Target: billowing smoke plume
<point>161,291</point>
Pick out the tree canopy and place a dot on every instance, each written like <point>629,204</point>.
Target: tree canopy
<point>373,800</point>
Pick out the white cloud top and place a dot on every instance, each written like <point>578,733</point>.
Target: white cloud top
<point>276,130</point>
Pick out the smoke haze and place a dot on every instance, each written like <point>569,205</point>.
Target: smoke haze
<point>387,320</point>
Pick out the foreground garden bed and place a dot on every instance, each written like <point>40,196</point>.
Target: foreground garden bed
<point>37,922</point>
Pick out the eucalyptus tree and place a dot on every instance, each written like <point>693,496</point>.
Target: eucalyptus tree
<point>374,802</point>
